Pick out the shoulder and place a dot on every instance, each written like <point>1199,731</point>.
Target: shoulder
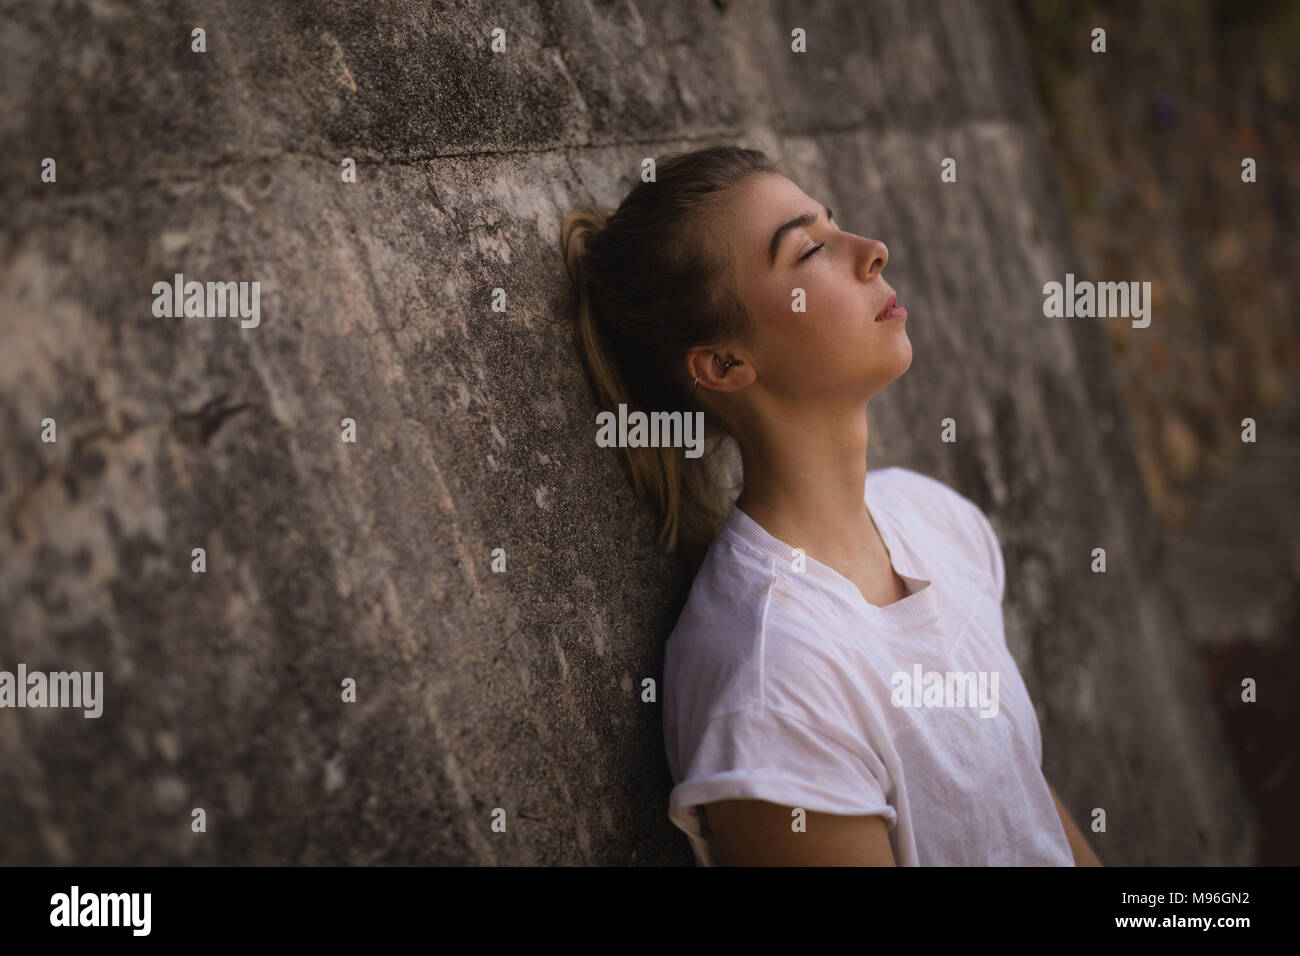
<point>916,486</point>
<point>751,635</point>
<point>714,652</point>
<point>727,591</point>
<point>927,505</point>
<point>911,492</point>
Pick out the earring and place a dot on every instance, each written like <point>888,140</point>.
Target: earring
<point>731,360</point>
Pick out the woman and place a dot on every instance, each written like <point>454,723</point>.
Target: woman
<point>837,689</point>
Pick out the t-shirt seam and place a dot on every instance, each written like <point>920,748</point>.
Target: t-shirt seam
<point>972,613</point>
<point>737,540</point>
<point>762,636</point>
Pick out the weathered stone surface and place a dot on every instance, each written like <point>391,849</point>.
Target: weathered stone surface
<point>475,428</point>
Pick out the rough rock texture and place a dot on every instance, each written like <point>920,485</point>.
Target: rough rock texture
<point>475,428</point>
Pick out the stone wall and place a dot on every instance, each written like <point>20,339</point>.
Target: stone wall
<point>372,560</point>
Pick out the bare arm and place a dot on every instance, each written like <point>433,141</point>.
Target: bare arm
<point>1083,855</point>
<point>758,833</point>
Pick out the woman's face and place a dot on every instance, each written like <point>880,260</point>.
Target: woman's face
<point>834,352</point>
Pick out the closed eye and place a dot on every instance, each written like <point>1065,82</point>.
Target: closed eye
<point>816,248</point>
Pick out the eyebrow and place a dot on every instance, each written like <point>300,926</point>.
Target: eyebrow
<point>807,219</point>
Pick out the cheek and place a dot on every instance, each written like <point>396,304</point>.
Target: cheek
<point>810,306</point>
<point>831,326</point>
<point>833,319</point>
<point>809,345</point>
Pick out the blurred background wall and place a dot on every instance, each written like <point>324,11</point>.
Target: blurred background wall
<point>1148,153</point>
<point>373,560</point>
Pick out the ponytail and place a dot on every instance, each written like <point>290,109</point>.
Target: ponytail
<point>648,285</point>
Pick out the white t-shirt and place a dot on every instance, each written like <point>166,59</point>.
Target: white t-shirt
<point>788,686</point>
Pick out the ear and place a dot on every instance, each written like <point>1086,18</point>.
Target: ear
<point>709,363</point>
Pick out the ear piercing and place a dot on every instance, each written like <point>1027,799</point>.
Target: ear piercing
<point>721,368</point>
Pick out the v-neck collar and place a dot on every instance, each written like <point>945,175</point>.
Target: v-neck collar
<point>918,607</point>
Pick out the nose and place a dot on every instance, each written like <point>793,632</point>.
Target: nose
<point>875,255</point>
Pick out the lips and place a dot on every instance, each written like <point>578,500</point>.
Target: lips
<point>892,309</point>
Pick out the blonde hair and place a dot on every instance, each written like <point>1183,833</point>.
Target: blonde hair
<point>649,283</point>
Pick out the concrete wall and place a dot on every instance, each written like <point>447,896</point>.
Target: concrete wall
<point>475,428</point>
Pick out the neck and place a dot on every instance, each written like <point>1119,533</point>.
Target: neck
<point>804,480</point>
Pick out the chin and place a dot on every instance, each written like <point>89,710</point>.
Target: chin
<point>896,368</point>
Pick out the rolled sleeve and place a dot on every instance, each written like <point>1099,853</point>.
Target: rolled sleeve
<point>765,754</point>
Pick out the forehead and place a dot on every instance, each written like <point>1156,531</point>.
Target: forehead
<point>765,202</point>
